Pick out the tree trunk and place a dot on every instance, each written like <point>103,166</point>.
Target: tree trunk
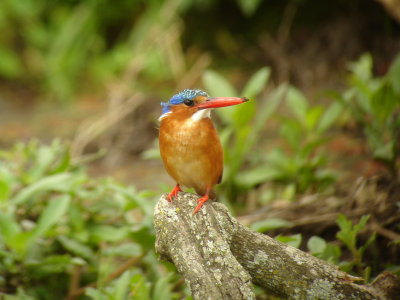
<point>220,258</point>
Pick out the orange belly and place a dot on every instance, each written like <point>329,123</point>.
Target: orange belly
<point>191,152</point>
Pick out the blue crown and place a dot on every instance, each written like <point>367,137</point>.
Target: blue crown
<point>180,97</point>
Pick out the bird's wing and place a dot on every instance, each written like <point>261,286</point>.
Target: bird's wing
<point>220,177</point>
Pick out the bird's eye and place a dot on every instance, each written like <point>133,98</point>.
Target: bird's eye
<point>188,102</point>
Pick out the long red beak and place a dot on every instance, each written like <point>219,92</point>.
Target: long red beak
<point>221,102</point>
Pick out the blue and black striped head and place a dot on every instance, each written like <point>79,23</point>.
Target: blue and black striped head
<point>186,97</point>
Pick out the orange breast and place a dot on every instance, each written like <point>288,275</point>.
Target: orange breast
<point>191,152</point>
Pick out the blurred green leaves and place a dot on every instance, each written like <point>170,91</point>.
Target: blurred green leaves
<point>63,47</point>
<point>58,182</point>
<point>326,251</point>
<point>374,102</point>
<point>300,162</point>
<point>305,132</point>
<point>242,123</point>
<point>269,224</point>
<point>54,217</point>
<point>248,7</point>
<point>293,240</point>
<point>10,64</point>
<point>348,235</point>
<point>301,165</point>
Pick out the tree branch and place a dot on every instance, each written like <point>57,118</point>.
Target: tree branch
<point>219,257</point>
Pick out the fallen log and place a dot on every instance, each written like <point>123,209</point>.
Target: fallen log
<point>220,258</point>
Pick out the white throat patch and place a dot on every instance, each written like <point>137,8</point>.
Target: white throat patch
<point>163,116</point>
<point>200,114</point>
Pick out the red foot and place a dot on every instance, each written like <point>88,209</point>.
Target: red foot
<point>174,192</point>
<point>201,201</point>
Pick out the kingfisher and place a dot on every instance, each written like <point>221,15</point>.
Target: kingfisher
<point>189,144</point>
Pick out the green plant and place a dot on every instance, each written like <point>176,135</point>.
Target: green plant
<point>242,124</point>
<point>326,251</point>
<point>58,226</point>
<point>348,235</point>
<point>301,165</point>
<point>62,47</point>
<point>133,285</point>
<point>293,240</point>
<point>270,224</point>
<point>374,102</point>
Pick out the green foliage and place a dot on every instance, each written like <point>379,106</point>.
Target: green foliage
<point>302,164</point>
<point>133,285</point>
<point>269,224</point>
<point>326,251</point>
<point>374,102</point>
<point>332,252</point>
<point>348,235</point>
<point>55,219</point>
<point>242,123</point>
<point>61,47</point>
<point>249,7</point>
<point>65,46</point>
<point>293,240</point>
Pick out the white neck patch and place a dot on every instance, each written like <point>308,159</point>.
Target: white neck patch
<point>163,116</point>
<point>201,114</point>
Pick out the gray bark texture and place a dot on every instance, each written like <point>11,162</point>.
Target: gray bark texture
<point>220,258</point>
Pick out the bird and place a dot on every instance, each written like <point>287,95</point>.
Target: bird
<point>189,144</point>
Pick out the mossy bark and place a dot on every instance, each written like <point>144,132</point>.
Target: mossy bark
<point>220,258</point>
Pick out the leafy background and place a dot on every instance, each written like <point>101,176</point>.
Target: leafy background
<point>80,86</point>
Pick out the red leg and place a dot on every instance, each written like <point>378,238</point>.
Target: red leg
<point>201,201</point>
<point>174,192</point>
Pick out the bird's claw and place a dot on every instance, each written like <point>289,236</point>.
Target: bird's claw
<point>174,193</point>
<point>200,202</point>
